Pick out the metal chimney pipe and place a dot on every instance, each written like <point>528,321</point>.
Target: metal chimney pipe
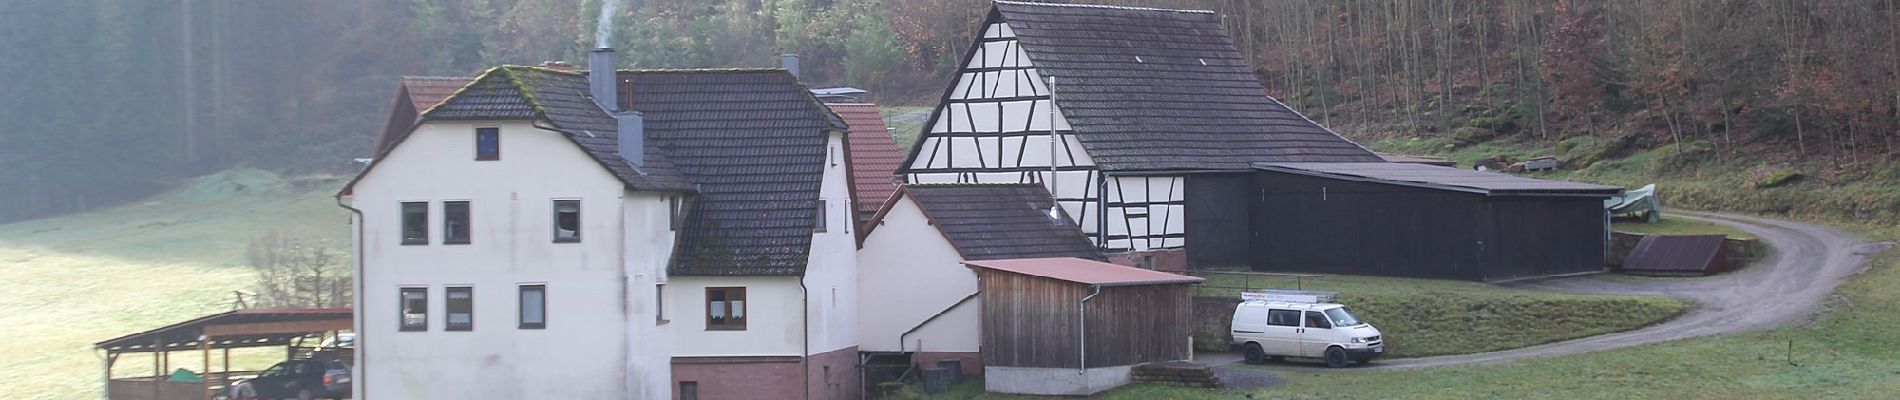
<point>789,61</point>
<point>633,137</point>
<point>601,79</point>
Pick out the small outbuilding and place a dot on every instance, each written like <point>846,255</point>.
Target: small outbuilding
<point>1069,326</point>
<point>1424,221</point>
<point>1678,255</point>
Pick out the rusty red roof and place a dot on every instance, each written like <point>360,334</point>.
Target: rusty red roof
<point>427,91</point>
<point>874,155</point>
<point>1084,271</point>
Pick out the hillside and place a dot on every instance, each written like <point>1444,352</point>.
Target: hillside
<point>77,279</point>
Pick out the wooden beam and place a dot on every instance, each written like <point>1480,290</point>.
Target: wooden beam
<point>204,381</point>
<point>269,328</point>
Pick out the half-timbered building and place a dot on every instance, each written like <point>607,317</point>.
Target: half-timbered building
<point>1144,122</point>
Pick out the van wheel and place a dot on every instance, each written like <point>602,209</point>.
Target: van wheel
<point>1253,354</point>
<point>1335,357</point>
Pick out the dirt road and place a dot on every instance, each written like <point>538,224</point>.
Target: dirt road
<point>1787,287</point>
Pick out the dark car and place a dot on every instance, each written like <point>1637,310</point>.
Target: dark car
<point>296,379</point>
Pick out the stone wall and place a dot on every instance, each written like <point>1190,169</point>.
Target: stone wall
<point>1213,322</point>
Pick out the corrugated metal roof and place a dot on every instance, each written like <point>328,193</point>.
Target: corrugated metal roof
<point>1001,221</point>
<point>1693,254</point>
<point>1150,89</point>
<point>184,335</point>
<point>1084,271</point>
<point>874,155</point>
<point>1436,177</point>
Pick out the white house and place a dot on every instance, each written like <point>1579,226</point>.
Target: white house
<point>915,249</point>
<point>1150,117</point>
<point>513,245</point>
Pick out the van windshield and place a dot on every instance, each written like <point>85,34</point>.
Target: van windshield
<point>1342,318</point>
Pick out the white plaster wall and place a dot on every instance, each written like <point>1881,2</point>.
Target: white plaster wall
<point>583,351</point>
<point>908,272</point>
<point>648,245</point>
<point>831,272</point>
<point>773,326</point>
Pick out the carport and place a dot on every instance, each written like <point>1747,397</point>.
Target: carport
<point>286,327</point>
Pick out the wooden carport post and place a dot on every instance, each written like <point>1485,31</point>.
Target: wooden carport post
<point>158,347</point>
<point>204,346</point>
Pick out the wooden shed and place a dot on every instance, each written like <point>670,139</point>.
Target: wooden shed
<point>1424,221</point>
<point>1069,326</point>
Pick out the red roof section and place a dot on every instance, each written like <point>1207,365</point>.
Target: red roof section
<point>427,91</point>
<point>874,155</point>
<point>1084,271</point>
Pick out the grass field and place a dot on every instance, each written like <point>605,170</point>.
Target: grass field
<point>73,280</point>
<point>1424,317</point>
<point>1680,226</point>
<point>906,123</point>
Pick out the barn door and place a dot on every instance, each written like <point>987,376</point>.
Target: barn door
<point>1217,220</point>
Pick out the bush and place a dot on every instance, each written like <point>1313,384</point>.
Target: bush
<point>1472,134</point>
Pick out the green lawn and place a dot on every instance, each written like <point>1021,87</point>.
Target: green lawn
<point>73,280</point>
<point>906,123</point>
<point>1424,317</point>
<point>1680,226</point>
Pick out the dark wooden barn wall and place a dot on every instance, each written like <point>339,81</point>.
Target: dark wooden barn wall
<point>1540,236</point>
<point>1031,322</point>
<point>1311,224</point>
<point>1217,233</point>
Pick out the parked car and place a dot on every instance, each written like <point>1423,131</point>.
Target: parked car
<point>1328,331</point>
<point>295,379</point>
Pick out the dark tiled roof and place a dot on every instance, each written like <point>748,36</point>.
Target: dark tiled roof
<point>1151,89</point>
<point>874,155</point>
<point>753,141</point>
<point>998,221</point>
<point>562,99</point>
<point>1448,178</point>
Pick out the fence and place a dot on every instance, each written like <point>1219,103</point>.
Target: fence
<point>1231,283</point>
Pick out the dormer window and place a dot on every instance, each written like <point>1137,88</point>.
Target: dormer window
<point>487,144</point>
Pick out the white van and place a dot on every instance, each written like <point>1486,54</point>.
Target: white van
<point>1275,329</point>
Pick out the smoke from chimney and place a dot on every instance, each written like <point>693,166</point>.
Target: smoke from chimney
<point>604,26</point>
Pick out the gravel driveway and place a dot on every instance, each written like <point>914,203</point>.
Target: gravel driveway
<point>1785,288</point>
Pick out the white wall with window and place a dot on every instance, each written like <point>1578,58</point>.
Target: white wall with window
<point>596,297</point>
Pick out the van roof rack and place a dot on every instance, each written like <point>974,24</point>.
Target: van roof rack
<point>1291,296</point>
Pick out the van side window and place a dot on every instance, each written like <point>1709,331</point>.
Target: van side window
<point>1283,318</point>
<point>1316,320</point>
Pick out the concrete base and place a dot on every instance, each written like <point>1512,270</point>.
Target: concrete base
<point>1053,381</point>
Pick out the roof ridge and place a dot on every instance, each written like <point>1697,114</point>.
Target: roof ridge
<point>1102,6</point>
<point>709,69</point>
<point>971,184</point>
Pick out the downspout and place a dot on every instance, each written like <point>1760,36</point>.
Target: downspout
<point>805,315</point>
<point>356,295</point>
<point>1082,323</point>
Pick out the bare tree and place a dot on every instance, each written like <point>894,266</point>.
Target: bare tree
<point>294,270</point>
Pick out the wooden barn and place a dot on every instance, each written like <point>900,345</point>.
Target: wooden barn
<point>1423,221</point>
<point>1069,326</point>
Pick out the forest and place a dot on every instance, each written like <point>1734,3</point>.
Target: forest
<point>109,101</point>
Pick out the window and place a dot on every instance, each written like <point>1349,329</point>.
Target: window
<point>415,222</point>
<point>820,227</point>
<point>567,221</point>
<point>725,309</point>
<point>689,390</point>
<point>461,309</point>
<point>455,222</point>
<point>1283,318</point>
<point>1316,320</point>
<point>487,144</point>
<point>534,307</point>
<point>659,303</point>
<point>415,309</point>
